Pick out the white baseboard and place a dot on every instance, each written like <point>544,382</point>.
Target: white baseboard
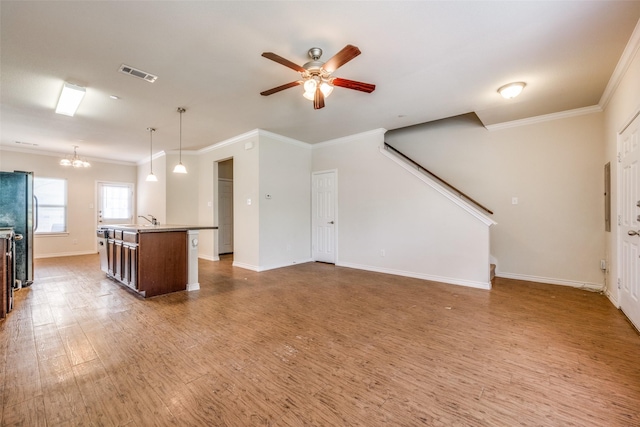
<point>292,263</point>
<point>269,267</point>
<point>613,300</point>
<point>193,286</point>
<point>245,266</point>
<point>430,277</point>
<point>552,281</point>
<point>61,254</point>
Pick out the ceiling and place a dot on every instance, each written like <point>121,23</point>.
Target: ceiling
<point>428,60</point>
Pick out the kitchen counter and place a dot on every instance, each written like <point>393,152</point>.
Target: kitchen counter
<point>151,259</point>
<point>143,228</point>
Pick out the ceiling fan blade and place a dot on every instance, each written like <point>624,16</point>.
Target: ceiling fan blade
<point>339,59</point>
<point>279,88</point>
<point>318,99</point>
<point>352,84</point>
<point>280,60</point>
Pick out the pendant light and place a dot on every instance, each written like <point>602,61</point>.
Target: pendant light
<point>151,177</point>
<point>180,167</point>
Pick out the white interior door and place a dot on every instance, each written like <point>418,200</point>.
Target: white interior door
<point>225,216</point>
<point>629,224</point>
<point>323,222</point>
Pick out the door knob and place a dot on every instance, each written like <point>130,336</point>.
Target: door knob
<point>633,233</point>
<point>330,222</point>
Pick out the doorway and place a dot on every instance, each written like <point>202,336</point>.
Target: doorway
<point>629,229</point>
<point>225,207</point>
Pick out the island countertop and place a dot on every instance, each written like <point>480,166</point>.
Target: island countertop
<point>142,228</point>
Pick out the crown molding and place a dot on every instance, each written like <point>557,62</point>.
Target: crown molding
<point>545,118</point>
<point>625,61</point>
<point>230,141</point>
<point>61,155</point>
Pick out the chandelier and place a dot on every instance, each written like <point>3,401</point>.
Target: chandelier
<point>74,161</point>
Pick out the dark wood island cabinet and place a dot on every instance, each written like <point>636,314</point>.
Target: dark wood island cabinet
<point>151,260</point>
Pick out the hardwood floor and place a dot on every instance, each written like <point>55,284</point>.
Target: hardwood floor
<point>313,344</point>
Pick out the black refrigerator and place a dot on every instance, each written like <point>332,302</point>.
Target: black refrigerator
<point>18,209</point>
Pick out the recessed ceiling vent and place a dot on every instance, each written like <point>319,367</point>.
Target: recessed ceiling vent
<point>137,73</point>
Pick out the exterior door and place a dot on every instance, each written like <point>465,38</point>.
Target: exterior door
<point>629,224</point>
<point>225,216</point>
<point>115,203</point>
<point>323,222</point>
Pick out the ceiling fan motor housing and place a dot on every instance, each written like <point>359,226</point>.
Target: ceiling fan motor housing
<point>315,53</point>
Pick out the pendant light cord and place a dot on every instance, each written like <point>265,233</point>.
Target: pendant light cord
<point>181,110</point>
<point>151,148</point>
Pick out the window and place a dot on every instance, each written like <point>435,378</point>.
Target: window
<point>115,202</point>
<point>52,204</point>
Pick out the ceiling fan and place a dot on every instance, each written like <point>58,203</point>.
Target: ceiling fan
<point>316,75</point>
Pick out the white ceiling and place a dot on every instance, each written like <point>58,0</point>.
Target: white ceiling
<point>429,60</point>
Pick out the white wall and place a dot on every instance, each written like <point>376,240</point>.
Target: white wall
<point>285,218</point>
<point>381,206</point>
<point>182,190</point>
<point>623,105</point>
<point>152,196</point>
<point>555,233</point>
<point>81,198</point>
<point>268,233</point>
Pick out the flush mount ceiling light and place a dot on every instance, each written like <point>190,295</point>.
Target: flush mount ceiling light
<point>151,177</point>
<point>70,99</point>
<point>180,167</point>
<point>75,161</point>
<point>511,90</point>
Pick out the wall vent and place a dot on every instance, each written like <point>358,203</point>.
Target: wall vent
<point>137,73</point>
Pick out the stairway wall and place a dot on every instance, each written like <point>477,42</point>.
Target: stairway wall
<point>390,221</point>
<point>555,233</point>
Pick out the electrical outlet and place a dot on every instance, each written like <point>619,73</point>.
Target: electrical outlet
<point>383,252</point>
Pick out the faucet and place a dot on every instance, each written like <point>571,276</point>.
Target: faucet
<point>153,220</point>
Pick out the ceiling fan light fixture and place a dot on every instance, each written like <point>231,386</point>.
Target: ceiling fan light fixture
<point>326,88</point>
<point>310,85</point>
<point>511,90</point>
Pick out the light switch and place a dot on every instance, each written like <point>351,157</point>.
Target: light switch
<point>514,200</point>
<point>248,201</point>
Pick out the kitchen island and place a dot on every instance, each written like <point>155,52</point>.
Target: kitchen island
<point>151,259</point>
